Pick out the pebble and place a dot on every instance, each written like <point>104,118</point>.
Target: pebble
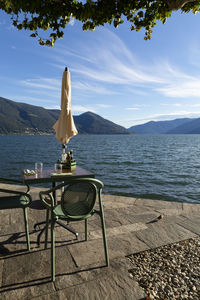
<point>169,272</point>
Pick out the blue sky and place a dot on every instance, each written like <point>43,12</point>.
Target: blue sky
<point>114,72</point>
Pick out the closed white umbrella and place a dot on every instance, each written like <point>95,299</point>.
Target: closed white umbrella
<point>65,127</point>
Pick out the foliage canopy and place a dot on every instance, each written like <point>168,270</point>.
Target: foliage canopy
<point>54,15</point>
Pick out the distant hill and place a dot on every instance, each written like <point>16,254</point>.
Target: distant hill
<point>22,118</point>
<point>191,127</point>
<point>91,123</point>
<point>163,127</point>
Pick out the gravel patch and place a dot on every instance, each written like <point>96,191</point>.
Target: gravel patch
<point>169,272</point>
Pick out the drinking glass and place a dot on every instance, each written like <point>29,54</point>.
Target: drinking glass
<point>58,168</point>
<point>38,167</point>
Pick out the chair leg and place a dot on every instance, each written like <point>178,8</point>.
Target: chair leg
<point>86,229</point>
<point>104,233</point>
<point>26,228</point>
<point>47,229</point>
<point>52,250</point>
<point>105,241</point>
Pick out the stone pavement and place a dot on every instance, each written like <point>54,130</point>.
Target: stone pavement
<point>132,226</point>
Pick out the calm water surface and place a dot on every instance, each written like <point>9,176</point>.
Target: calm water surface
<point>165,167</point>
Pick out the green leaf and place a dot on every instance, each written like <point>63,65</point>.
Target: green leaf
<point>54,15</point>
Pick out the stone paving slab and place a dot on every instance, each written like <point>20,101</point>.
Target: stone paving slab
<point>118,230</point>
<point>28,275</point>
<point>157,204</point>
<point>115,286</point>
<point>90,273</point>
<point>92,251</point>
<point>159,234</point>
<point>28,291</point>
<point>169,211</point>
<point>113,218</point>
<point>112,201</point>
<point>34,266</point>
<point>99,284</point>
<point>191,207</point>
<point>132,217</point>
<point>125,244</point>
<point>191,223</point>
<point>169,219</point>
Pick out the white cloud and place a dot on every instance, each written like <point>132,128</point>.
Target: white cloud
<point>176,83</point>
<point>140,92</point>
<point>136,107</point>
<point>194,53</point>
<point>89,87</point>
<point>42,83</point>
<point>172,114</point>
<point>56,65</point>
<point>172,104</point>
<point>112,63</point>
<point>132,108</point>
<point>181,89</point>
<point>81,109</point>
<point>112,69</point>
<point>195,105</point>
<point>101,105</point>
<point>109,62</point>
<point>52,107</point>
<point>32,100</point>
<point>63,52</point>
<point>162,117</point>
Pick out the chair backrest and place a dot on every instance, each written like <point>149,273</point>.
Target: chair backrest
<point>78,199</point>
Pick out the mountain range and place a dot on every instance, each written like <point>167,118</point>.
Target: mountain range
<point>23,118</point>
<point>177,126</point>
<point>18,118</point>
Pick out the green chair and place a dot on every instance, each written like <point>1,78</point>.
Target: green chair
<point>16,199</point>
<point>77,203</point>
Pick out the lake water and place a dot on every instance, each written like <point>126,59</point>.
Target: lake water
<point>163,167</point>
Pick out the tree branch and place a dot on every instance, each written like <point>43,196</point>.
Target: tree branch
<point>177,4</point>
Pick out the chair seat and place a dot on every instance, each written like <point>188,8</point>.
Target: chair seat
<point>58,212</point>
<point>8,202</point>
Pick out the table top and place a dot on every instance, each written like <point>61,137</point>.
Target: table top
<point>46,176</point>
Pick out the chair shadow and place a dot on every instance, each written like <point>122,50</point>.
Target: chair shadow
<point>6,253</point>
<point>11,240</point>
<point>82,270</point>
<point>44,280</point>
<point>24,284</point>
<point>37,205</point>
